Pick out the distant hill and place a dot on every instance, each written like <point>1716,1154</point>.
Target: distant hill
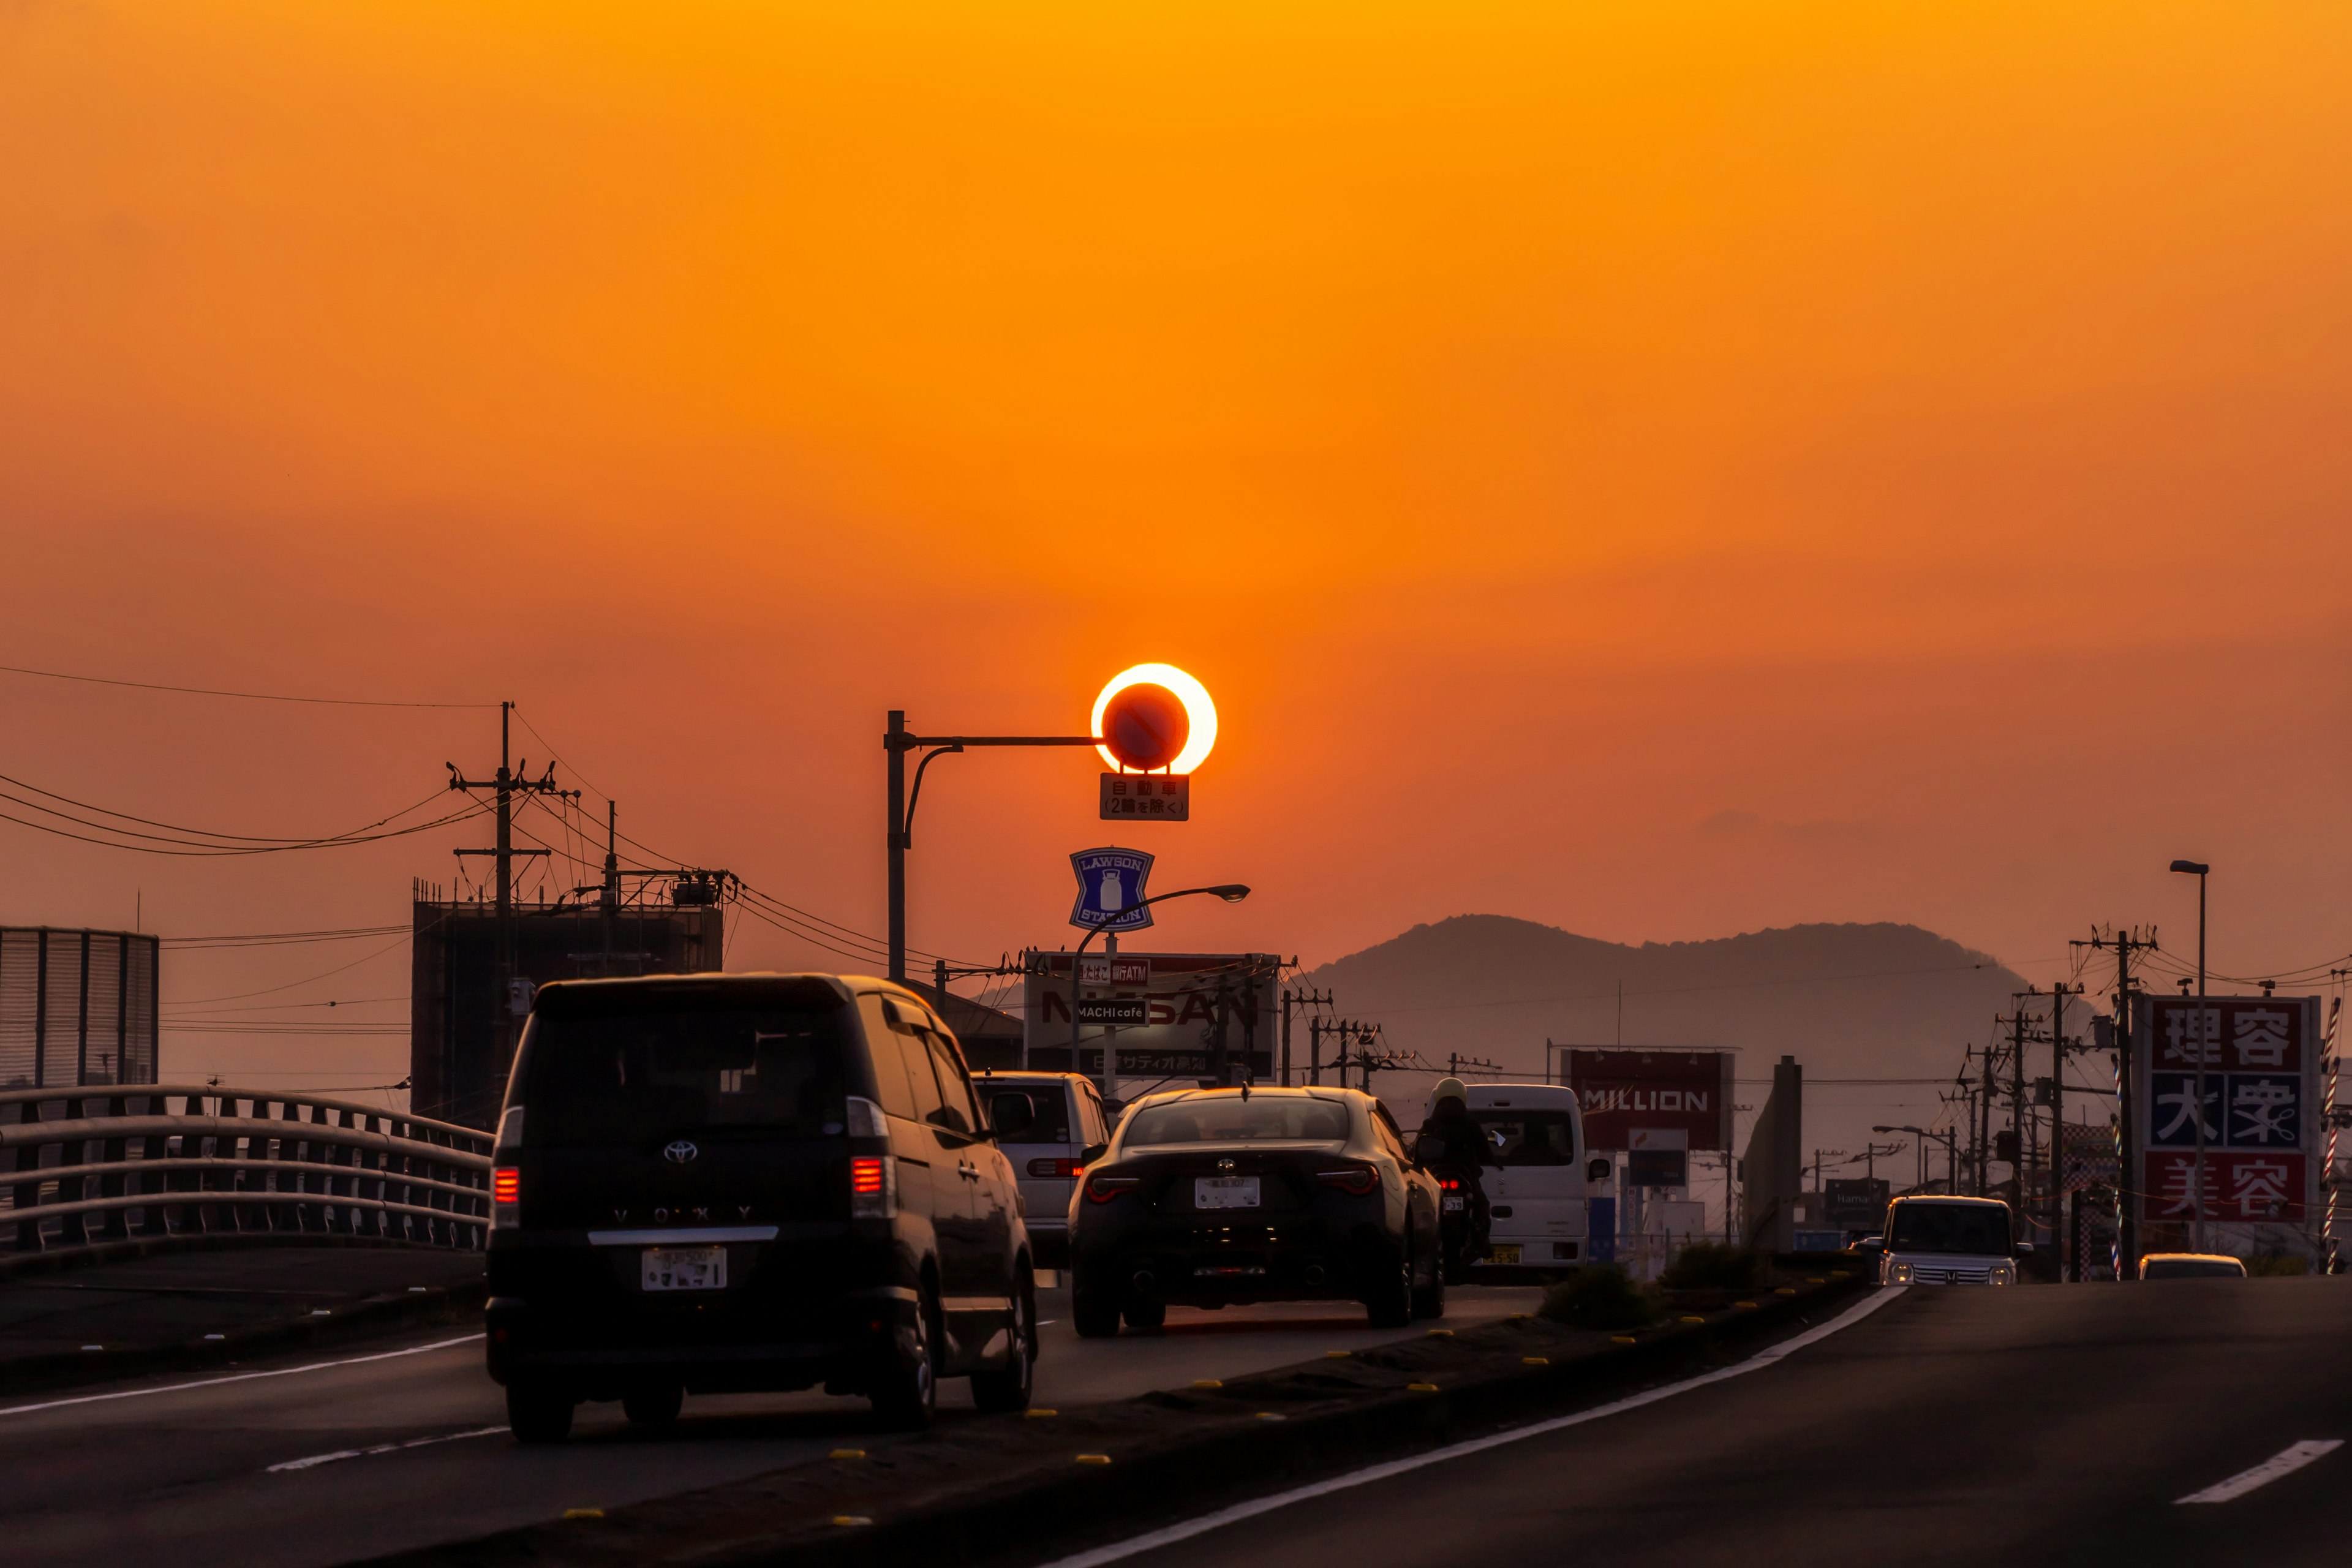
<point>1847,1001</point>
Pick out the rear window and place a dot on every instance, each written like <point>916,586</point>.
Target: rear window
<point>1052,1102</point>
<point>1948,1227</point>
<point>1239,1120</point>
<point>656,1074</point>
<point>1529,1137</point>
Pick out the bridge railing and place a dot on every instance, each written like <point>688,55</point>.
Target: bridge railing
<point>83,1166</point>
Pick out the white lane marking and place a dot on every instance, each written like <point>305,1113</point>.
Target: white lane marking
<point>2285,1462</point>
<point>1156,1538</point>
<point>315,1460</point>
<point>236,1377</point>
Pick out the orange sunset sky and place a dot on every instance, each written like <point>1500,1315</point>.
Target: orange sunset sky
<point>1660,470</point>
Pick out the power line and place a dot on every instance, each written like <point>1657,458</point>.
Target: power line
<point>244,695</point>
<point>1720,985</point>
<point>203,843</point>
<point>273,990</point>
<point>275,939</point>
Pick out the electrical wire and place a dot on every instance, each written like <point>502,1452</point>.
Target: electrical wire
<point>274,939</point>
<point>1688,989</point>
<point>246,696</point>
<point>273,990</point>
<point>200,843</point>
<point>283,1006</point>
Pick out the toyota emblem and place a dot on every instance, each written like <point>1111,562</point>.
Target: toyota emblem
<point>1224,1164</point>
<point>680,1152</point>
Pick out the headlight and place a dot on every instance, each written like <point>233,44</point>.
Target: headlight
<point>2001,1274</point>
<point>1898,1274</point>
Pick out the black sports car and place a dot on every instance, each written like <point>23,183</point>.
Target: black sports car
<point>1211,1196</point>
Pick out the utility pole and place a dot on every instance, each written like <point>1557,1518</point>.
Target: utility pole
<point>608,901</point>
<point>2017,1169</point>
<point>2058,993</point>
<point>1984,1124</point>
<point>505,786</point>
<point>2125,942</point>
<point>1298,999</point>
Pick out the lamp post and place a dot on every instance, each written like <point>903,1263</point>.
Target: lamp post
<point>2200,870</point>
<point>1232,893</point>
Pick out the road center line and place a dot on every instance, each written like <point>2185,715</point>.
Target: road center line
<point>1771,1356</point>
<point>2285,1462</point>
<point>236,1377</point>
<point>313,1461</point>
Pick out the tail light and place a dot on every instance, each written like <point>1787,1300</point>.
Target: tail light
<point>873,1187</point>
<point>506,1197</point>
<point>1450,1184</point>
<point>1052,1167</point>
<point>1356,1179</point>
<point>1101,1188</point>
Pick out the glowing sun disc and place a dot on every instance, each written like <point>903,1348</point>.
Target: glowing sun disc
<point>1199,711</point>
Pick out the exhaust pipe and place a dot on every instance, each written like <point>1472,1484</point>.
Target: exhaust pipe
<point>1146,1283</point>
<point>1315,1274</point>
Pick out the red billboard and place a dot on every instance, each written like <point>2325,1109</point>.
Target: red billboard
<point>1621,1092</point>
<point>2239,1076</point>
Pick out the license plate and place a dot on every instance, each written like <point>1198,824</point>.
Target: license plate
<point>1224,1192</point>
<point>1453,1201</point>
<point>685,1268</point>
<point>1508,1252</point>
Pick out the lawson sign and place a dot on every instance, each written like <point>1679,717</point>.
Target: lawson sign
<point>1625,1092</point>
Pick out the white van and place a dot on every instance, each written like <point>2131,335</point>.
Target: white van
<point>1935,1241</point>
<point>1535,1196</point>
<point>1048,1152</point>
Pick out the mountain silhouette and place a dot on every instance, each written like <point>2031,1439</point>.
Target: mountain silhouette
<point>1849,1002</point>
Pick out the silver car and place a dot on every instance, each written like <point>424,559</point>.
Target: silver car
<point>1949,1241</point>
<point>1048,1152</point>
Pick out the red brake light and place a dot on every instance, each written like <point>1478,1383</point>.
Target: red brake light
<point>1450,1184</point>
<point>1052,1167</point>
<point>866,1175</point>
<point>1101,1189</point>
<point>505,1186</point>
<point>1356,1179</point>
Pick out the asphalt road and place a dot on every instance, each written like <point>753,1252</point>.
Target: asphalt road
<point>2049,1425</point>
<point>286,1472</point>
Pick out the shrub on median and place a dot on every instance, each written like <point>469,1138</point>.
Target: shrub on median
<point>1599,1297</point>
<point>1710,1266</point>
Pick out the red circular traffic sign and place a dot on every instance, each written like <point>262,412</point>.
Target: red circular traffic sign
<point>1145,726</point>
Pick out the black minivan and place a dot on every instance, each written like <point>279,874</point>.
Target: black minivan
<point>732,1183</point>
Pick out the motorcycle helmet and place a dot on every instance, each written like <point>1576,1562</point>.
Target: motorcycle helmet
<point>1449,1088</point>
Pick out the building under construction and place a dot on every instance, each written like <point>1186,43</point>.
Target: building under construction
<point>458,1023</point>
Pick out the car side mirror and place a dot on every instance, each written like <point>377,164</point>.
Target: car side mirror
<point>2025,1247</point>
<point>1599,1170</point>
<point>1011,1113</point>
<point>1093,1151</point>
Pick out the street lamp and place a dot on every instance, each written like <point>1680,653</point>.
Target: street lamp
<point>1232,893</point>
<point>2200,870</point>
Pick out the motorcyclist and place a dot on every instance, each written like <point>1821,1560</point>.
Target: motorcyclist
<point>1452,1143</point>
